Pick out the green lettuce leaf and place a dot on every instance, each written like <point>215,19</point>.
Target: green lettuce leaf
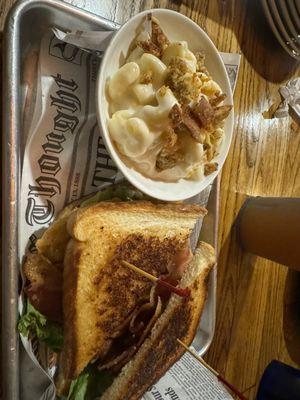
<point>35,323</point>
<point>120,192</point>
<point>90,384</point>
<point>79,387</point>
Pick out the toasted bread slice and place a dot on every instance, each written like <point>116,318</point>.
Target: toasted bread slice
<point>99,293</point>
<point>161,350</point>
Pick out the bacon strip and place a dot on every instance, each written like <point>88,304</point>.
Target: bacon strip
<point>184,118</point>
<point>221,113</point>
<point>192,125</point>
<point>158,36</point>
<point>204,112</point>
<point>158,43</point>
<point>117,362</point>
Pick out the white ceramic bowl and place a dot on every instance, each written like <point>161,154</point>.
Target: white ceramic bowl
<point>177,27</point>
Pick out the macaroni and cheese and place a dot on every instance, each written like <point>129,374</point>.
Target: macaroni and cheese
<point>166,117</point>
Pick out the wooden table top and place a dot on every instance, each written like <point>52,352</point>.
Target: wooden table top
<point>264,160</point>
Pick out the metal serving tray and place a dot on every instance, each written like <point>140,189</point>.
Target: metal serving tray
<point>26,23</point>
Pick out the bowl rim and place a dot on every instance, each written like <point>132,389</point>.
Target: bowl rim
<point>102,122</point>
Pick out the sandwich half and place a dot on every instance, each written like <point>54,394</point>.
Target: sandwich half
<point>161,349</point>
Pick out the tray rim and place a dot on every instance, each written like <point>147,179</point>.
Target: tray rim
<point>11,184</point>
<point>11,125</point>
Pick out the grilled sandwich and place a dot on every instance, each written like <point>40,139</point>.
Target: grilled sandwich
<point>115,320</point>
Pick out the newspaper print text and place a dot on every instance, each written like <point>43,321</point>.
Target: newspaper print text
<point>64,122</point>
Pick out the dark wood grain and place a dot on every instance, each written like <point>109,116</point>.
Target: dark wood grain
<point>264,160</point>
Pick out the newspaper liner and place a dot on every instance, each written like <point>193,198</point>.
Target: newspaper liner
<point>65,159</point>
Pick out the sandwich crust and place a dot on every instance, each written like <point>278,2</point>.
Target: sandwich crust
<point>128,215</point>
